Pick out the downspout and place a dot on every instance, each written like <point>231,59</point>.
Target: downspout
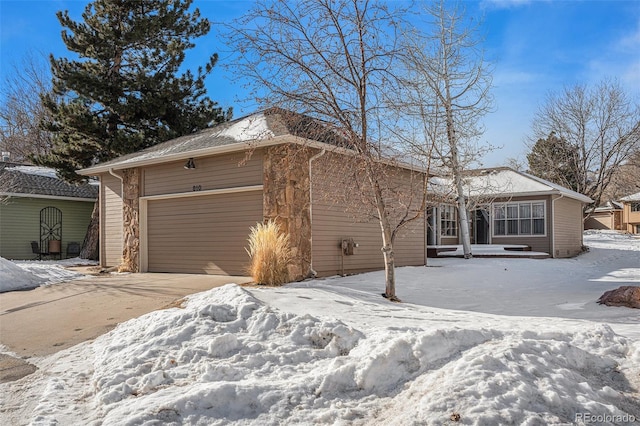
<point>312,272</point>
<point>426,234</point>
<point>111,172</point>
<point>553,225</point>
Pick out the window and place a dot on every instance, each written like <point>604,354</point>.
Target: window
<point>635,207</point>
<point>448,221</point>
<point>525,218</point>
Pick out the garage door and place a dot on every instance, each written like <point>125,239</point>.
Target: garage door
<point>201,234</point>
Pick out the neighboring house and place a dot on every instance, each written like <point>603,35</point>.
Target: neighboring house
<point>607,216</point>
<point>37,206</point>
<point>511,207</point>
<point>187,205</point>
<point>631,213</point>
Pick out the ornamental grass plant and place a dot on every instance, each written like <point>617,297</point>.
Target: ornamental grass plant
<point>270,254</point>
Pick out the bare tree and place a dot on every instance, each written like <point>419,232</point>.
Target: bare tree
<point>448,70</point>
<point>625,179</point>
<point>333,60</point>
<point>22,109</point>
<point>601,127</point>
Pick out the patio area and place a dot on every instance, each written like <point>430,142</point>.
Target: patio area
<point>487,250</point>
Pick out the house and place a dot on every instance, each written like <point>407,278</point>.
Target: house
<point>187,205</point>
<point>37,206</point>
<point>509,207</point>
<point>631,213</point>
<point>606,216</point>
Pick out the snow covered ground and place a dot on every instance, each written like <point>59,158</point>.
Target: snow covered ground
<point>25,275</point>
<point>517,350</point>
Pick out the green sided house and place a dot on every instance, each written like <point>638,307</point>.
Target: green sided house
<point>41,215</point>
<point>508,207</point>
<point>187,205</point>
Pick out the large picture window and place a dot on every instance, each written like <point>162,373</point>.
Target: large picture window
<point>448,221</point>
<point>524,218</point>
<point>635,207</point>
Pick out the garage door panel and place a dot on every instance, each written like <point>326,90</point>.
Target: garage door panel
<point>202,234</point>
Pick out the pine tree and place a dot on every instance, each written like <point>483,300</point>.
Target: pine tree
<point>125,92</point>
<point>555,160</point>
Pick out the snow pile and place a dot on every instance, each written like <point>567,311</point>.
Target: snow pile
<point>13,277</point>
<point>21,275</point>
<point>228,358</point>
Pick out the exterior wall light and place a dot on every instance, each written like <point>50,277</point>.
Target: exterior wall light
<point>190,164</point>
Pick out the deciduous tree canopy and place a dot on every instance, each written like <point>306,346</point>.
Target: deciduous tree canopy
<point>583,135</point>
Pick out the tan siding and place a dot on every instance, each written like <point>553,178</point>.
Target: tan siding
<point>630,219</point>
<point>537,243</point>
<point>202,234</point>
<point>332,221</point>
<point>224,171</point>
<point>110,220</point>
<point>600,220</point>
<point>568,227</point>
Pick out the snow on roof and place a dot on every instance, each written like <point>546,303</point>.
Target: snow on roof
<point>608,206</point>
<point>27,180</point>
<point>632,197</point>
<point>251,128</point>
<point>37,171</point>
<point>508,182</point>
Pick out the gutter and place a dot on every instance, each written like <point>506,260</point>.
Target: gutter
<point>312,272</point>
<point>48,197</point>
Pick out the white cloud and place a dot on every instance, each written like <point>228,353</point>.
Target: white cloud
<point>621,61</point>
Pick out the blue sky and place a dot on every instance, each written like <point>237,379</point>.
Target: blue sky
<point>535,47</point>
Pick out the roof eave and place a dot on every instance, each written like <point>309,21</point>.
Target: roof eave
<point>49,197</point>
<point>224,149</point>
<point>578,197</point>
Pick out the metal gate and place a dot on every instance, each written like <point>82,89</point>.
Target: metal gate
<point>51,231</point>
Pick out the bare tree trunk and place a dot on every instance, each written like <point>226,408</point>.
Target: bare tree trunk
<point>456,167</point>
<point>388,254</point>
<point>90,245</point>
<point>463,220</point>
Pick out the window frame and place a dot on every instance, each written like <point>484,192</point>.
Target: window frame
<point>634,206</point>
<point>509,213</point>
<point>442,221</point>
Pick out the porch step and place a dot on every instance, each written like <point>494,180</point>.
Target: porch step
<point>487,250</point>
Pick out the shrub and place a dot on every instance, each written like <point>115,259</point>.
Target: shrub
<point>270,254</point>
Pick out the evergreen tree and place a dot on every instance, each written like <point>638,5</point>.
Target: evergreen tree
<point>555,160</point>
<point>125,93</point>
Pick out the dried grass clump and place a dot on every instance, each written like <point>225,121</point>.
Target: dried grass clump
<point>270,254</point>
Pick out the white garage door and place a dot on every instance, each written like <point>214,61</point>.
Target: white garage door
<point>202,234</point>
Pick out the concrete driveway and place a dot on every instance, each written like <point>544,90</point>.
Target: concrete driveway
<point>48,319</point>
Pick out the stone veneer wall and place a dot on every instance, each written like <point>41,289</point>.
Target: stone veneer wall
<point>130,221</point>
<point>287,201</point>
